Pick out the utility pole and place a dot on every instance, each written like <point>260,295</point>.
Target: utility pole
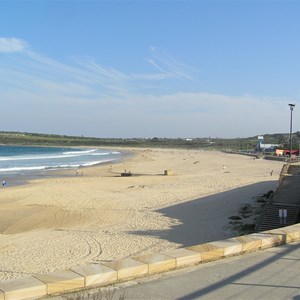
<point>291,126</point>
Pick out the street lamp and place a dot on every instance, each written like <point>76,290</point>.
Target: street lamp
<point>291,122</point>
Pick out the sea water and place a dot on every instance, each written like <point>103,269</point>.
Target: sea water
<point>23,159</point>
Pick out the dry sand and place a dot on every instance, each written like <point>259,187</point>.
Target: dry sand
<point>57,223</point>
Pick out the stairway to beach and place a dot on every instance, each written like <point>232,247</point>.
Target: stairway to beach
<point>286,196</point>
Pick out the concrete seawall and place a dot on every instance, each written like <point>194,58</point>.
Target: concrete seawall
<point>103,274</point>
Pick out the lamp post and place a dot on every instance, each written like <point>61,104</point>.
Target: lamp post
<point>291,123</point>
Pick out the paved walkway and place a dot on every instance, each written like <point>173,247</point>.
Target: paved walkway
<point>270,274</point>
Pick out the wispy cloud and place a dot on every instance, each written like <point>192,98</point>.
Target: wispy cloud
<point>11,45</point>
<point>84,93</point>
<point>36,72</point>
<point>169,66</point>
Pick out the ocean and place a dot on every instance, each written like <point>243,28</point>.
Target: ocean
<point>22,160</point>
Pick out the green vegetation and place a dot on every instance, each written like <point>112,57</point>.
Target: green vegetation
<point>24,138</point>
<point>248,215</point>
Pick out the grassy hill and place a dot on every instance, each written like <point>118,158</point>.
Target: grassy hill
<point>24,138</point>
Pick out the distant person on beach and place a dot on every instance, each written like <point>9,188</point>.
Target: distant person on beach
<point>4,183</point>
<point>271,172</point>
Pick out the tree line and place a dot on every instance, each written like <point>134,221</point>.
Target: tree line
<point>247,144</point>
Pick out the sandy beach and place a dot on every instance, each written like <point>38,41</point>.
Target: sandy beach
<point>60,222</point>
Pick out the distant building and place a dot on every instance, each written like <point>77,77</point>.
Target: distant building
<point>279,152</point>
<point>293,152</point>
<point>282,152</point>
<point>267,147</point>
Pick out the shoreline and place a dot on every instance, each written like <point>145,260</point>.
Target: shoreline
<point>59,222</point>
<point>14,180</point>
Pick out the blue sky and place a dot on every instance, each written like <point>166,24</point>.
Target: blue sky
<point>149,68</point>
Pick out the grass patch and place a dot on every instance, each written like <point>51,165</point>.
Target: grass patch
<point>248,215</point>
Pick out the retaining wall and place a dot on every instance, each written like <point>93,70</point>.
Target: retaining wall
<point>103,274</point>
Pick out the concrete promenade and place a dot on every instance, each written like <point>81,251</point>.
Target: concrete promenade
<point>273,273</point>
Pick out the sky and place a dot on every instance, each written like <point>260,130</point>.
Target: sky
<point>146,69</point>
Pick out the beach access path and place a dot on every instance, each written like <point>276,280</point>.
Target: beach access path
<point>268,274</point>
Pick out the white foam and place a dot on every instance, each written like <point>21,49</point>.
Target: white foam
<point>35,157</point>
<point>55,160</point>
<point>80,152</point>
<point>65,166</point>
<point>13,169</point>
<point>64,155</point>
